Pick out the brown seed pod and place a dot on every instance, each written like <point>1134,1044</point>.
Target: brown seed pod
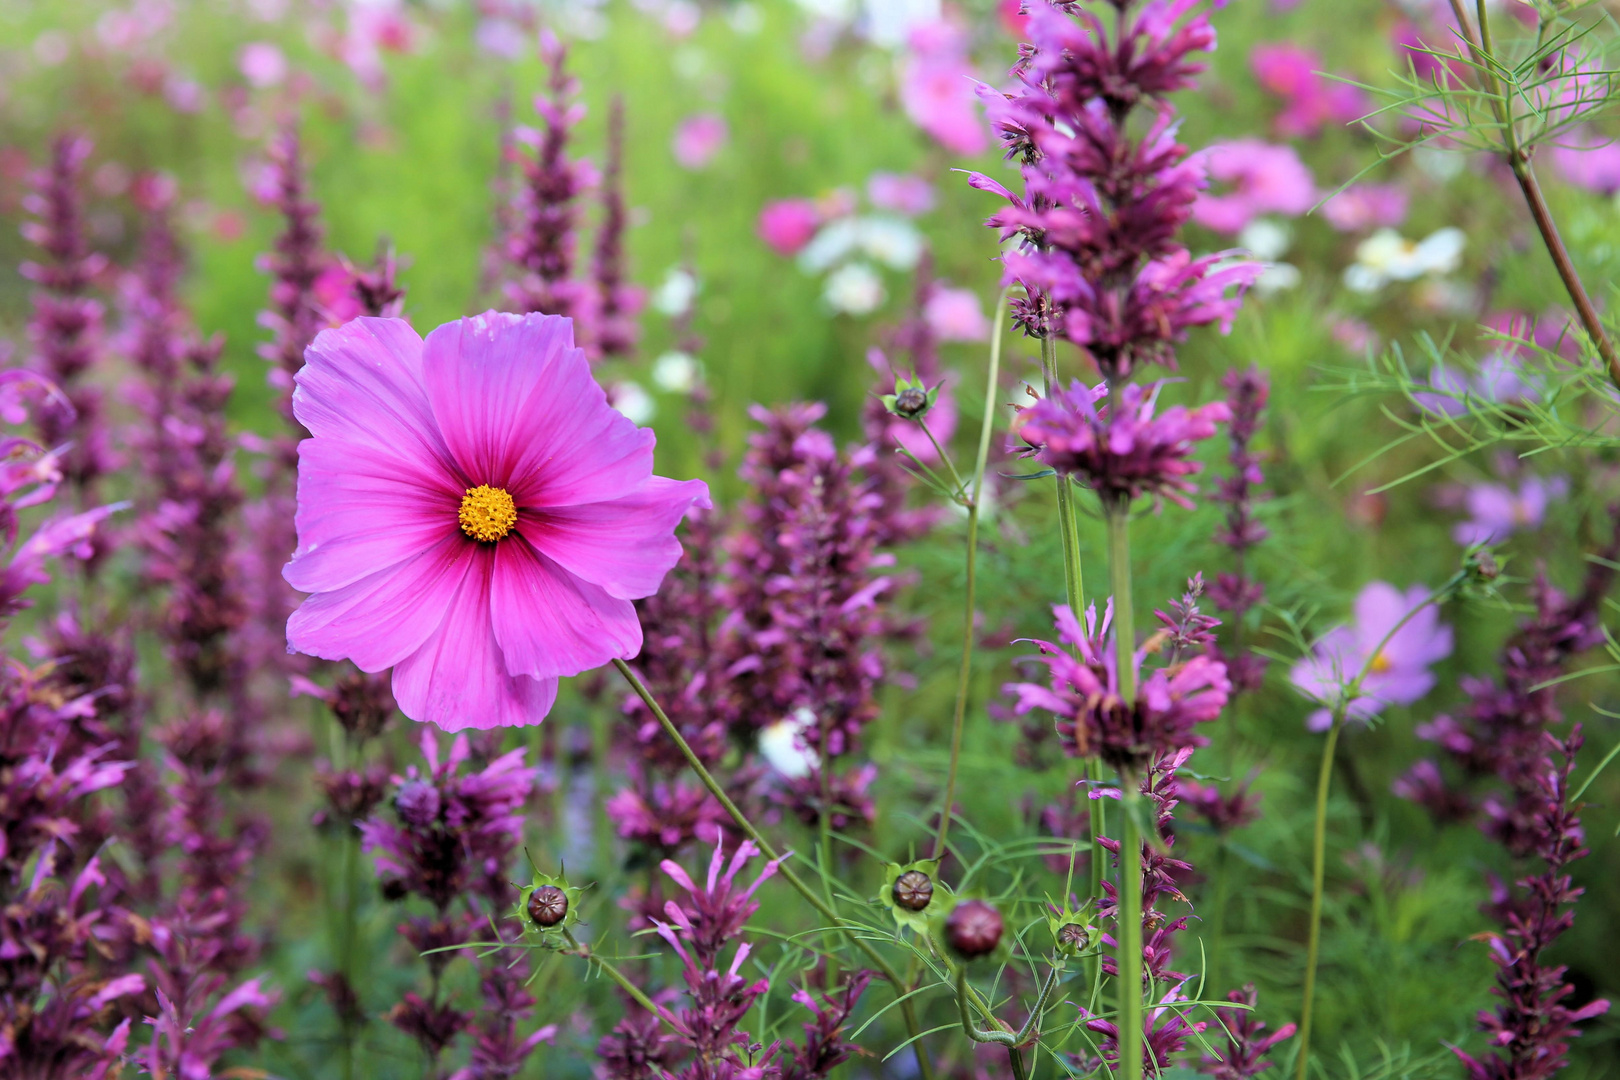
<point>911,402</point>
<point>973,929</point>
<point>1072,935</point>
<point>548,906</point>
<point>913,890</point>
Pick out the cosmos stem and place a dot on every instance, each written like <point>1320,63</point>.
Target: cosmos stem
<point>964,674</point>
<point>908,1011</point>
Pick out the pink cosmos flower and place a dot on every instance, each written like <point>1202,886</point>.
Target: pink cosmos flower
<point>1311,100</point>
<point>1399,671</point>
<point>262,64</point>
<point>1496,511</point>
<point>1588,161</point>
<point>698,138</point>
<point>937,88</point>
<point>955,315</point>
<point>901,192</point>
<point>787,225</point>
<point>472,513</point>
<point>1264,179</point>
<point>1366,206</point>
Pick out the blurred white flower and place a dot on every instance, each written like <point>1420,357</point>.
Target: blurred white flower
<point>837,10</point>
<point>1266,238</point>
<point>746,18</point>
<point>632,401</point>
<point>835,242</point>
<point>674,297</point>
<point>888,23</point>
<point>892,241</point>
<point>1276,277</point>
<point>854,289</point>
<point>782,744</point>
<point>677,372</point>
<point>1387,256</point>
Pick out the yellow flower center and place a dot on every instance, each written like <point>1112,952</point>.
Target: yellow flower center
<point>1380,664</point>
<point>487,513</point>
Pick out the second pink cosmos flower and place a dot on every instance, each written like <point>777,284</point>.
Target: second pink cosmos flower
<point>473,513</point>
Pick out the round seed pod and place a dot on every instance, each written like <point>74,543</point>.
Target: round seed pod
<point>973,929</point>
<point>548,906</point>
<point>911,402</point>
<point>913,890</point>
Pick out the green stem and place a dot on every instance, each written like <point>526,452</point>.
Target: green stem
<point>1129,955</point>
<point>924,1066</point>
<point>964,673</point>
<point>636,993</point>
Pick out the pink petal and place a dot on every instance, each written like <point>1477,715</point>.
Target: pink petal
<point>549,622</point>
<point>362,383</point>
<point>458,678</point>
<point>361,510</point>
<point>520,410</point>
<point>384,617</point>
<point>626,545</point>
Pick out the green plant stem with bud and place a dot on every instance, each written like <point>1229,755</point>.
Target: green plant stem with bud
<point>850,933</point>
<point>1324,783</point>
<point>1129,953</point>
<point>964,675</point>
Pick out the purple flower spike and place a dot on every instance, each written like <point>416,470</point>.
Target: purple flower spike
<point>1126,456</point>
<point>1398,674</point>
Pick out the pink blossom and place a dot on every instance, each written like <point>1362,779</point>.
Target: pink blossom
<point>1588,161</point>
<point>1311,100</point>
<point>473,514</point>
<point>1264,179</point>
<point>1397,670</point>
<point>1496,511</point>
<point>787,225</point>
<point>937,88</point>
<point>1366,206</point>
<point>698,138</point>
<point>262,64</point>
<point>900,192</point>
<point>955,315</point>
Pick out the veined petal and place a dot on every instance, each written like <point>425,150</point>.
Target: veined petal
<point>624,545</point>
<point>360,510</point>
<point>362,383</point>
<point>457,678</point>
<point>382,618</point>
<point>520,410</point>
<point>549,622</point>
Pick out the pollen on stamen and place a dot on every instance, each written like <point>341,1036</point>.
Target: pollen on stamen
<point>487,513</point>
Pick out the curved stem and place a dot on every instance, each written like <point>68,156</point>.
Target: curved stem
<point>1324,779</point>
<point>964,674</point>
<point>907,1010</point>
<point>969,1028</point>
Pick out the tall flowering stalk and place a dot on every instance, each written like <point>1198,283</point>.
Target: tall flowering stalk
<point>1236,592</point>
<point>1100,267</point>
<point>65,327</point>
<point>617,302</point>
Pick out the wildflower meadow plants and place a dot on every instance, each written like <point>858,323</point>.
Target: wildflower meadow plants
<point>787,540</point>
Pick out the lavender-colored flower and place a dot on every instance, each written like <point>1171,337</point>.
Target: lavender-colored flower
<point>501,472</point>
<point>1247,1041</point>
<point>1398,672</point>
<point>1121,456</point>
<point>1237,592</point>
<point>1496,511</point>
<point>1093,720</point>
<point>616,301</point>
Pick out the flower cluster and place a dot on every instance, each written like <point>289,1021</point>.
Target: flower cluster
<point>1237,591</point>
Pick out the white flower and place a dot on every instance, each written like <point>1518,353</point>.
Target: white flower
<point>892,241</point>
<point>631,400</point>
<point>854,289</point>
<point>674,297</point>
<point>676,372</point>
<point>1387,256</point>
<point>836,241</point>
<point>1276,277</point>
<point>888,23</point>
<point>782,744</point>
<point>1266,238</point>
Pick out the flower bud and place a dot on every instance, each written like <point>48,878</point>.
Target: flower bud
<point>913,890</point>
<point>548,906</point>
<point>973,929</point>
<point>911,402</point>
<point>1073,936</point>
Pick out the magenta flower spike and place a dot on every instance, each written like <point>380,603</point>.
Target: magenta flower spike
<point>473,513</point>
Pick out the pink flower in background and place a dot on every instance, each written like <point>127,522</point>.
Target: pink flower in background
<point>262,64</point>
<point>787,225</point>
<point>1013,19</point>
<point>1263,178</point>
<point>1311,100</point>
<point>937,88</point>
<point>1588,161</point>
<point>1398,672</point>
<point>1496,511</point>
<point>501,37</point>
<point>900,192</point>
<point>955,315</point>
<point>334,292</point>
<point>375,27</point>
<point>1366,206</point>
<point>473,514</point>
<point>698,138</point>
